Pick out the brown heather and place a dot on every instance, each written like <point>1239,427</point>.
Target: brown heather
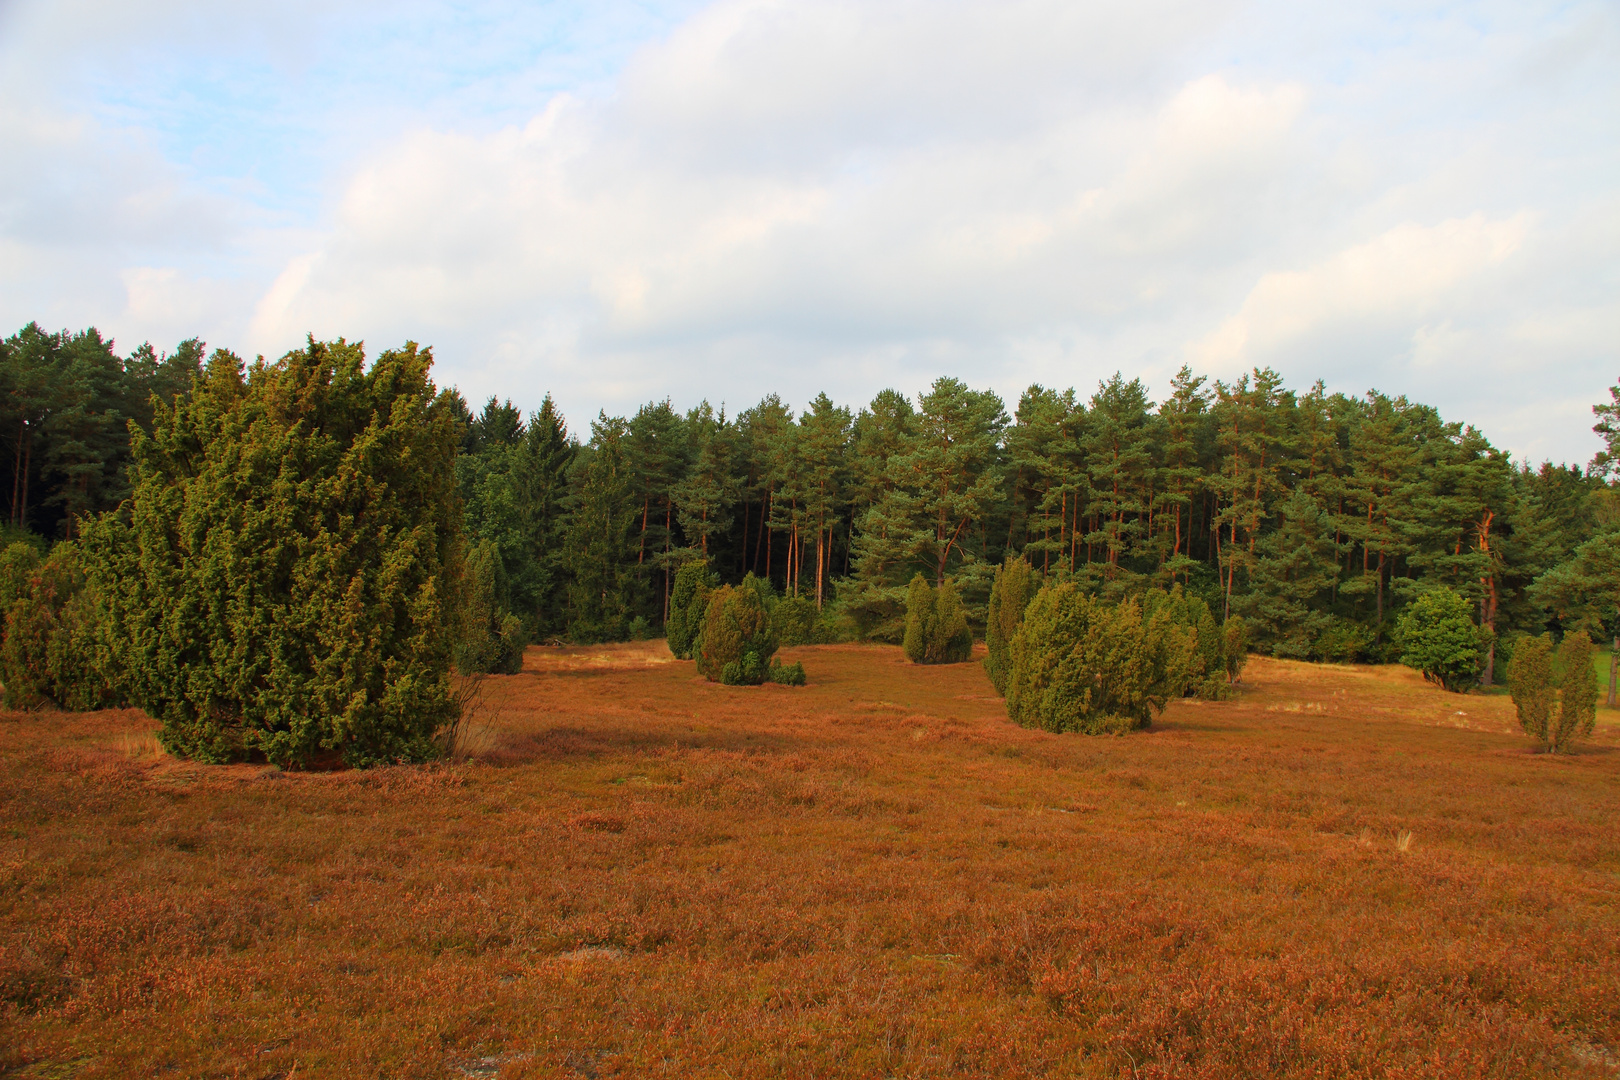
<point>1343,872</point>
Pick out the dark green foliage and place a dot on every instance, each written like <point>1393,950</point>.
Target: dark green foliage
<point>1235,647</point>
<point>1206,674</point>
<point>1438,637</point>
<point>494,637</point>
<point>1009,596</point>
<point>936,625</point>
<point>600,546</point>
<point>788,674</point>
<point>688,604</point>
<point>1081,664</point>
<point>1577,689</point>
<point>795,619</point>
<point>53,651</point>
<point>737,642</point>
<point>286,579</point>
<point>18,561</point>
<point>1535,696</point>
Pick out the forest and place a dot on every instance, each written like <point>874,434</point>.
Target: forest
<point>1316,516</point>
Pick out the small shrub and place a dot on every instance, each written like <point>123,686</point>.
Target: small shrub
<point>52,651</point>
<point>1009,596</point>
<point>688,602</point>
<point>1235,646</point>
<point>737,639</point>
<point>640,629</point>
<point>1555,694</point>
<point>795,619</point>
<point>1083,665</point>
<point>1438,637</point>
<point>936,624</point>
<point>788,674</point>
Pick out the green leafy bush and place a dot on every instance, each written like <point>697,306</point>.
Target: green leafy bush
<point>1438,637</point>
<point>688,604</point>
<point>53,650</point>
<point>1083,665</point>
<point>286,578</point>
<point>1010,594</point>
<point>936,624</point>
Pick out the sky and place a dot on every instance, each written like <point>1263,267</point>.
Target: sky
<point>618,202</point>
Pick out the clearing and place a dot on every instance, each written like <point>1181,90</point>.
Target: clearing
<point>1343,872</point>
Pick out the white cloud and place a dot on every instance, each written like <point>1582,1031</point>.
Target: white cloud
<point>784,195</point>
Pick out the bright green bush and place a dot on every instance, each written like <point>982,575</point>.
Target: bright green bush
<point>286,579</point>
<point>53,652</point>
<point>1083,665</point>
<point>688,604</point>
<point>936,624</point>
<point>1438,637</point>
<point>1010,594</point>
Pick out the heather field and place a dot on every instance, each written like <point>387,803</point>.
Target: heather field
<point>1343,872</point>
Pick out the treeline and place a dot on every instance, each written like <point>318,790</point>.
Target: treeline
<point>1316,516</point>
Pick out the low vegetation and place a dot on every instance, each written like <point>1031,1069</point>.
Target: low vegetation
<point>1339,871</point>
<point>936,624</point>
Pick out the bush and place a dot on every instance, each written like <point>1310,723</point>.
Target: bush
<point>688,602</point>
<point>795,619</point>
<point>287,577</point>
<point>1555,694</point>
<point>494,638</point>
<point>936,624</point>
<point>1205,672</point>
<point>53,652</point>
<point>1438,637</point>
<point>1009,596</point>
<point>1235,648</point>
<point>1082,665</point>
<point>788,674</point>
<point>737,641</point>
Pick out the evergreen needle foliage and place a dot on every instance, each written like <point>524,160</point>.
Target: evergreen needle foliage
<point>286,579</point>
<point>688,605</point>
<point>936,624</point>
<point>1084,665</point>
<point>1555,693</point>
<point>1009,596</point>
<point>54,646</point>
<point>738,641</point>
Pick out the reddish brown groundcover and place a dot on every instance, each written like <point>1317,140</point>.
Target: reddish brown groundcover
<point>1344,872</point>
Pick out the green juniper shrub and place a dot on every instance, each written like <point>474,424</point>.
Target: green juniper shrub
<point>494,638</point>
<point>795,619</point>
<point>1010,594</point>
<point>1535,695</point>
<point>1555,693</point>
<point>737,640</point>
<point>1235,648</point>
<point>688,603</point>
<point>54,653</point>
<point>640,629</point>
<point>18,560</point>
<point>1204,665</point>
<point>936,624</point>
<point>1083,665</point>
<point>287,578</point>
<point>1438,637</point>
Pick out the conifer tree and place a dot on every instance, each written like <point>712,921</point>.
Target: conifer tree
<point>601,542</point>
<point>1439,639</point>
<point>689,602</point>
<point>286,577</point>
<point>1532,682</point>
<point>1009,596</point>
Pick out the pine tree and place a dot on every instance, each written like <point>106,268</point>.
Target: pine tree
<point>1290,581</point>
